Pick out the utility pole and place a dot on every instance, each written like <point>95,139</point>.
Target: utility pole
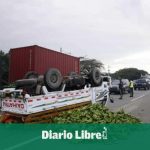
<point>108,70</point>
<point>61,49</point>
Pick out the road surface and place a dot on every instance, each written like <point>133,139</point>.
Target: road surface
<point>138,106</point>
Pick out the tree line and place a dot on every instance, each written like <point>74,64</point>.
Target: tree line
<point>4,68</point>
<point>129,73</point>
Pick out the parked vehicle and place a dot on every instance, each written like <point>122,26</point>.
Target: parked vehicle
<point>115,86</point>
<point>142,84</point>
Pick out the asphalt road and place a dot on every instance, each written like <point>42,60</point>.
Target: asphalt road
<point>138,106</point>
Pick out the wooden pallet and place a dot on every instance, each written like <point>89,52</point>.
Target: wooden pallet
<point>40,117</point>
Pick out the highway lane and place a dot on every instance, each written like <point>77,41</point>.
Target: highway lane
<point>138,106</point>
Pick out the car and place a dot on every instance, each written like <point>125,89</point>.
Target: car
<point>142,84</point>
<point>115,86</point>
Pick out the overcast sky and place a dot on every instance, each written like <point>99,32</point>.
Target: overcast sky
<point>117,32</point>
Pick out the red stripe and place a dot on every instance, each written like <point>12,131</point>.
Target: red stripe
<point>46,98</point>
<point>30,100</point>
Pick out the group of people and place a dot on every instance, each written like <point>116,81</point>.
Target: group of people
<point>131,88</point>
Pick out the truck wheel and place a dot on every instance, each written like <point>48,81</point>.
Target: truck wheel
<point>53,78</point>
<point>31,75</point>
<point>95,76</point>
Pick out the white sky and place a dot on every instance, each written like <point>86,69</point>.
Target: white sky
<point>117,32</point>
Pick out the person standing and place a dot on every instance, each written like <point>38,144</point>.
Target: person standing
<point>131,87</point>
<point>121,89</point>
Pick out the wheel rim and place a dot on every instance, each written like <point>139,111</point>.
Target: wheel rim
<point>97,75</point>
<point>54,78</point>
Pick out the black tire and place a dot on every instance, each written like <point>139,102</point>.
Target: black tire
<point>31,75</point>
<point>26,83</point>
<point>95,76</point>
<point>53,79</point>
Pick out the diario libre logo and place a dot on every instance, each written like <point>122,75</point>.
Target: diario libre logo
<point>78,135</point>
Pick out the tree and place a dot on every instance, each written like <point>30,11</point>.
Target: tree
<point>4,67</point>
<point>129,73</point>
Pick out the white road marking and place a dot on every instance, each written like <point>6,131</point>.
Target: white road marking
<point>133,101</point>
<point>138,97</point>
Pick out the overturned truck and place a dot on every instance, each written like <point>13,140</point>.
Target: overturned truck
<point>47,87</point>
<point>40,66</point>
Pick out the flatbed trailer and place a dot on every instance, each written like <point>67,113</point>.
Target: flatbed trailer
<point>42,108</point>
<point>39,117</point>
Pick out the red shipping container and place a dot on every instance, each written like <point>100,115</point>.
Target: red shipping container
<point>39,59</point>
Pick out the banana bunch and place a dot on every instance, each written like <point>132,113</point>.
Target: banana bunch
<point>94,114</point>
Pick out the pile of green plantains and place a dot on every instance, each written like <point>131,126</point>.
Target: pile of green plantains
<point>94,114</point>
<point>0,118</point>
